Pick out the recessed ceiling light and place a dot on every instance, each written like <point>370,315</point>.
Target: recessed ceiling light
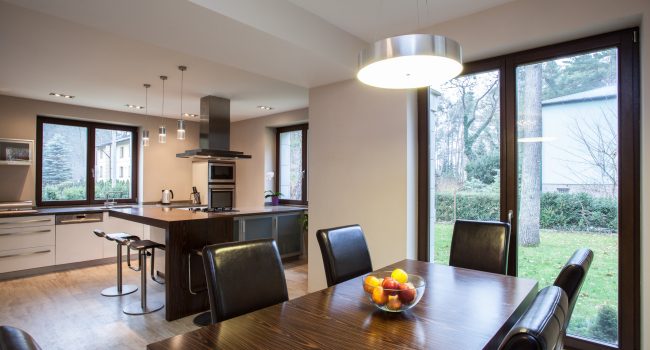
<point>60,95</point>
<point>134,106</point>
<point>190,115</point>
<point>266,108</point>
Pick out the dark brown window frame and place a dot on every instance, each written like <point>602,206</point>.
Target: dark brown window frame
<point>303,127</point>
<point>629,153</point>
<point>90,160</point>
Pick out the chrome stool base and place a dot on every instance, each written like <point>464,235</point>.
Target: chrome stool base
<point>137,309</point>
<point>203,319</point>
<point>114,292</point>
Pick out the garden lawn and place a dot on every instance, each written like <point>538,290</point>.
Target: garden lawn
<point>544,262</point>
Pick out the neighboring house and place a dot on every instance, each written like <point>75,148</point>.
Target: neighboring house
<point>113,160</point>
<point>567,164</point>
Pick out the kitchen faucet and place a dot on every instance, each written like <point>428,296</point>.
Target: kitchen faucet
<point>108,202</point>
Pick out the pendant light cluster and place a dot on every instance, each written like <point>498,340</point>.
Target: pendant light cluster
<point>162,130</point>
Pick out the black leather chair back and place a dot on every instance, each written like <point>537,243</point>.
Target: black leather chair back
<point>12,338</point>
<point>572,276</point>
<point>541,327</point>
<point>480,245</point>
<point>243,277</point>
<point>345,253</point>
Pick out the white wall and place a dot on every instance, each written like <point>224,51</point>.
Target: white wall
<point>361,162</point>
<point>257,138</point>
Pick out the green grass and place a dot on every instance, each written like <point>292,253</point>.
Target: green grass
<point>543,263</point>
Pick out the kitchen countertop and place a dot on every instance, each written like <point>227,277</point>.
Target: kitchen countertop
<point>162,216</point>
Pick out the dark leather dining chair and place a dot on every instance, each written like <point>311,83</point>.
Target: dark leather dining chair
<point>243,277</point>
<point>12,338</point>
<point>480,245</point>
<point>345,253</point>
<point>572,276</point>
<point>541,326</point>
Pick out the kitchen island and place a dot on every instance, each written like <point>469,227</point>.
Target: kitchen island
<point>187,231</point>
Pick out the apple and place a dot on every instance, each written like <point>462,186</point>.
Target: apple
<point>378,296</point>
<point>407,292</point>
<point>394,303</point>
<point>390,285</point>
<point>369,283</point>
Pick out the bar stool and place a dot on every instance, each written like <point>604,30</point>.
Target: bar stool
<point>205,318</point>
<point>121,239</point>
<point>143,247</point>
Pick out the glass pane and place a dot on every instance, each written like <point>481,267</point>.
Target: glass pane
<point>291,165</point>
<point>465,156</point>
<point>64,162</point>
<point>113,164</point>
<point>567,126</point>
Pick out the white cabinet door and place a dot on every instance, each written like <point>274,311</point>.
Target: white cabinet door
<point>76,242</point>
<point>113,225</point>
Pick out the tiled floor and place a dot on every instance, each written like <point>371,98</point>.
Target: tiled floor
<point>64,310</point>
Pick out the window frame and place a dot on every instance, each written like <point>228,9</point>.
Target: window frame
<point>629,299</point>
<point>90,160</point>
<point>303,127</point>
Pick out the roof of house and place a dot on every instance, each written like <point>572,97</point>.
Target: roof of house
<point>605,92</point>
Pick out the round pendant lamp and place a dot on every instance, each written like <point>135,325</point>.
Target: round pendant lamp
<point>410,61</point>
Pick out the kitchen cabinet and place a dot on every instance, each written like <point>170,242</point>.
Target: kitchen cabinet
<point>75,240</point>
<point>285,228</point>
<point>26,242</point>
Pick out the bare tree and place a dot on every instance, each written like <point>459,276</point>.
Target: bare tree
<point>531,153</point>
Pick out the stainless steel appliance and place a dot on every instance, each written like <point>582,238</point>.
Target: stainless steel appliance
<point>167,196</point>
<point>214,141</point>
<point>221,172</point>
<point>221,196</point>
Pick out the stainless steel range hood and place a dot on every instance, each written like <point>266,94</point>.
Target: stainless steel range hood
<point>214,140</point>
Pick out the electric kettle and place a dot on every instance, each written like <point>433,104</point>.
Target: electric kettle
<point>167,196</point>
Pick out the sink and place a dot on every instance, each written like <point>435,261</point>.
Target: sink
<point>117,207</point>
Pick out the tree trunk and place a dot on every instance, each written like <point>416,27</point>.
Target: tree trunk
<point>531,155</point>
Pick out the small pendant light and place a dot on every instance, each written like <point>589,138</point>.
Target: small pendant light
<point>162,131</point>
<point>180,132</point>
<point>145,132</point>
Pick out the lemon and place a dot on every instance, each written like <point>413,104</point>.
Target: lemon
<point>400,275</point>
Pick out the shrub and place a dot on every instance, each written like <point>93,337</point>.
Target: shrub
<point>606,326</point>
<point>559,211</point>
<point>484,168</point>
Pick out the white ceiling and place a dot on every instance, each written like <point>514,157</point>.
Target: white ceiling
<point>255,52</point>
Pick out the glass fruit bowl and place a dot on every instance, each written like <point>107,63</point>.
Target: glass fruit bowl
<point>393,291</point>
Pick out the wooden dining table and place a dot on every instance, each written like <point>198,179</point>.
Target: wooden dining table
<point>460,309</point>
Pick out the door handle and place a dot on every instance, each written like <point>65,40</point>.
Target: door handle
<point>510,217</point>
<point>23,233</point>
<point>25,222</point>
<point>24,254</point>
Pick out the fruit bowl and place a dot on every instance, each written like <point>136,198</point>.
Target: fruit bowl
<point>393,291</point>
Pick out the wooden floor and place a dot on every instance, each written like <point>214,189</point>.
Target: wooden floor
<point>64,310</point>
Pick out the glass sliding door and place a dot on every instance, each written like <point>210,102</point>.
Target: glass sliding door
<point>567,135</point>
<point>465,155</point>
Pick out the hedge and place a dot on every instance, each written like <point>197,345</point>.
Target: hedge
<point>559,211</point>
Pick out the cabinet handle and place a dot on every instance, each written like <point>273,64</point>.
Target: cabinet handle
<point>79,221</point>
<point>24,233</point>
<point>24,254</point>
<point>25,222</point>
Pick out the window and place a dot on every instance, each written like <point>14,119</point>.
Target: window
<point>68,173</point>
<point>559,157</point>
<point>291,164</point>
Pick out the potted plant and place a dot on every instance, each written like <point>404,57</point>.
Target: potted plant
<point>275,196</point>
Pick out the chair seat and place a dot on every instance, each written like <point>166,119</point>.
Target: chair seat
<point>145,244</point>
<point>16,339</point>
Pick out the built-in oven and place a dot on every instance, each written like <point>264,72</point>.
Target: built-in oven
<point>221,196</point>
<point>221,173</point>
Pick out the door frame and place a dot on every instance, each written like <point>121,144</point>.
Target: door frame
<point>627,43</point>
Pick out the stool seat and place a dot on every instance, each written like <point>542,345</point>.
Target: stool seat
<point>121,237</point>
<point>145,244</point>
